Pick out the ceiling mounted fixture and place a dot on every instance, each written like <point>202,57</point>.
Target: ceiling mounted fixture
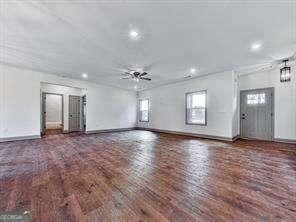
<point>187,76</point>
<point>256,47</point>
<point>135,75</point>
<point>285,75</point>
<point>192,70</point>
<point>84,75</point>
<point>134,34</point>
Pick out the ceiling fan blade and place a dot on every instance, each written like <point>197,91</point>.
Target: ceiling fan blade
<point>148,79</point>
<point>125,77</point>
<point>143,74</point>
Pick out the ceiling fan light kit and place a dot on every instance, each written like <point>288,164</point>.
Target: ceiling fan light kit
<point>135,75</point>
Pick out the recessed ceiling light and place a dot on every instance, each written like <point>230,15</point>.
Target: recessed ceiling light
<point>192,70</point>
<point>84,75</point>
<point>256,46</point>
<point>134,34</point>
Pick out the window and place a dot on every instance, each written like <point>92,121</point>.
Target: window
<point>196,108</point>
<point>254,99</point>
<point>144,110</point>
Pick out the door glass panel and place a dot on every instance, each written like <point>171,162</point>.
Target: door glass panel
<point>254,99</point>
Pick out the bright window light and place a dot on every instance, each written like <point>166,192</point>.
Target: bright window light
<point>144,110</point>
<point>196,108</point>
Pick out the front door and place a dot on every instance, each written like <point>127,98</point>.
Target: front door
<point>74,113</point>
<point>257,114</point>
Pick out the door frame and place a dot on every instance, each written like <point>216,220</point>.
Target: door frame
<point>272,111</point>
<point>43,105</point>
<point>80,104</point>
<point>83,114</point>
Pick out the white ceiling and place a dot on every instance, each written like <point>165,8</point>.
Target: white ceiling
<point>69,38</point>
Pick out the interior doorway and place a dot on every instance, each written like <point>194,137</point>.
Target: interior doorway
<point>84,113</point>
<point>52,110</point>
<point>257,114</point>
<point>73,108</point>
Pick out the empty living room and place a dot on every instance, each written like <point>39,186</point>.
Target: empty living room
<point>146,110</point>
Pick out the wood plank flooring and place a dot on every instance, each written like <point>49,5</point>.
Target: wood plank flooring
<point>145,176</point>
<point>53,131</point>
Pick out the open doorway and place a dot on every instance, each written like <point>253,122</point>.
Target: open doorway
<point>73,109</point>
<point>52,113</point>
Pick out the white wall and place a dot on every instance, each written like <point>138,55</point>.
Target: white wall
<point>107,107</point>
<point>284,99</point>
<point>20,103</point>
<point>235,106</point>
<point>2,89</point>
<point>167,105</point>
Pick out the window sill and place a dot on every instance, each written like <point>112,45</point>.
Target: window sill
<point>197,124</point>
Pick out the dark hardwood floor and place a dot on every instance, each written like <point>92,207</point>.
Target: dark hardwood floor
<point>145,176</point>
<point>53,131</point>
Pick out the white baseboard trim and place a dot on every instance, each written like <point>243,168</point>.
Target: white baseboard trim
<point>235,138</point>
<point>110,130</point>
<point>16,138</point>
<point>30,137</point>
<point>203,136</point>
<point>284,140</point>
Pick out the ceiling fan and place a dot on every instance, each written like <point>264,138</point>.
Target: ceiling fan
<point>135,75</point>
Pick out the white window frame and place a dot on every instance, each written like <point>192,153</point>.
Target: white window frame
<point>186,110</point>
<point>139,111</point>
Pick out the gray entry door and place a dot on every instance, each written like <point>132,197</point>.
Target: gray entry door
<point>257,114</point>
<point>74,113</point>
